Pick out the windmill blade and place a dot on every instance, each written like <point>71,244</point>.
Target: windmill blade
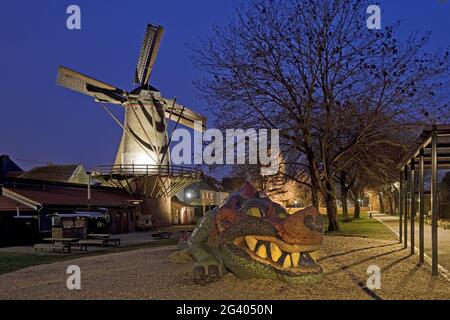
<point>81,83</point>
<point>174,111</point>
<point>148,53</point>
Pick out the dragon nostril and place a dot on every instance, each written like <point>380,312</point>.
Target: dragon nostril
<point>310,222</point>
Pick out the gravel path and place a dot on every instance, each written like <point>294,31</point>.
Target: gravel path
<point>153,274</point>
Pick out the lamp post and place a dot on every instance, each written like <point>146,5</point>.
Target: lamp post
<point>89,192</point>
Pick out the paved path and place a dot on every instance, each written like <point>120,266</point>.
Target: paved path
<point>166,273</point>
<point>443,238</point>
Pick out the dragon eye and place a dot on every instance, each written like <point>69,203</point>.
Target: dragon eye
<point>314,224</point>
<point>283,215</point>
<point>255,212</point>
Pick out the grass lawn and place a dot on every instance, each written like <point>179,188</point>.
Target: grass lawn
<point>10,262</point>
<point>362,227</point>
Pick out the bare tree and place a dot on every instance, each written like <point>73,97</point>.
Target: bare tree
<point>312,69</point>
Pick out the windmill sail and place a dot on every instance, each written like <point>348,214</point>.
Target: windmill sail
<point>81,83</point>
<point>186,116</point>
<point>148,53</point>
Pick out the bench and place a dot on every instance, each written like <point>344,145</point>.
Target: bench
<point>53,247</point>
<point>91,242</point>
<point>115,241</point>
<point>162,235</point>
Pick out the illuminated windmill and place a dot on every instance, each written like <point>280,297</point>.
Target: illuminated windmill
<point>142,165</point>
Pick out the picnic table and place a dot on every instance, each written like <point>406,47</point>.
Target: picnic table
<point>61,240</point>
<point>162,235</point>
<point>98,239</point>
<point>52,246</point>
<point>99,235</point>
<point>56,243</point>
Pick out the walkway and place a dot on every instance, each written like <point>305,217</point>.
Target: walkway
<point>166,273</point>
<point>443,237</point>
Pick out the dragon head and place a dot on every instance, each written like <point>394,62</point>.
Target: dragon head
<point>253,236</point>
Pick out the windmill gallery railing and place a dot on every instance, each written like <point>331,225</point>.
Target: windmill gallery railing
<point>146,170</point>
<point>165,180</point>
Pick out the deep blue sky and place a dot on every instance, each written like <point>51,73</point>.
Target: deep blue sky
<point>43,122</point>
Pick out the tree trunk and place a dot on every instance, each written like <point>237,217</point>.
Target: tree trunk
<point>330,201</point>
<point>315,197</point>
<point>391,206</point>
<point>396,201</point>
<point>344,197</point>
<point>357,212</point>
<point>380,197</point>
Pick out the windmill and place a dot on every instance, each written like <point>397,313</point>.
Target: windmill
<point>142,165</point>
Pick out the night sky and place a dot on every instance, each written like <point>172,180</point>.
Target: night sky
<point>42,122</point>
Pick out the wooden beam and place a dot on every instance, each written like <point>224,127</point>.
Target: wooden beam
<point>434,205</point>
<point>421,208</point>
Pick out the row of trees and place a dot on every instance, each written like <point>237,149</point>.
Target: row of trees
<point>348,100</point>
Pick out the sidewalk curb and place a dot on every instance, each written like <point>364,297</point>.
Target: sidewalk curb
<point>444,272</point>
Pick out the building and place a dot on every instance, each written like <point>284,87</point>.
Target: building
<point>204,195</point>
<point>72,173</point>
<point>182,212</point>
<point>7,166</point>
<point>232,184</point>
<point>27,204</point>
<point>15,228</point>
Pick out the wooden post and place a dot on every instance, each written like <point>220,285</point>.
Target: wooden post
<point>89,195</point>
<point>405,225</point>
<point>421,208</point>
<point>434,204</point>
<point>412,190</point>
<point>400,222</point>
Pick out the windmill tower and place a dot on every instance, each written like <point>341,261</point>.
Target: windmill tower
<point>142,166</point>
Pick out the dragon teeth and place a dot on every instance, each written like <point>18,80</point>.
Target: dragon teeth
<point>275,252</point>
<point>266,250</point>
<point>262,252</point>
<point>251,242</point>
<point>314,255</point>
<point>295,257</point>
<point>287,261</point>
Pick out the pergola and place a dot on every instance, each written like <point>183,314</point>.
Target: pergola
<point>432,153</point>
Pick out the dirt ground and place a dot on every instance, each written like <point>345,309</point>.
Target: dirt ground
<point>154,274</point>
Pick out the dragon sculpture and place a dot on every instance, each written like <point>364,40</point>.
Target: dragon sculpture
<point>254,237</point>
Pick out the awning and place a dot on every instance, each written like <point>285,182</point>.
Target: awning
<point>79,214</point>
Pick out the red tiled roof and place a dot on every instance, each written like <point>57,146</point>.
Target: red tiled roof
<point>69,196</point>
<point>7,204</point>
<point>51,172</point>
